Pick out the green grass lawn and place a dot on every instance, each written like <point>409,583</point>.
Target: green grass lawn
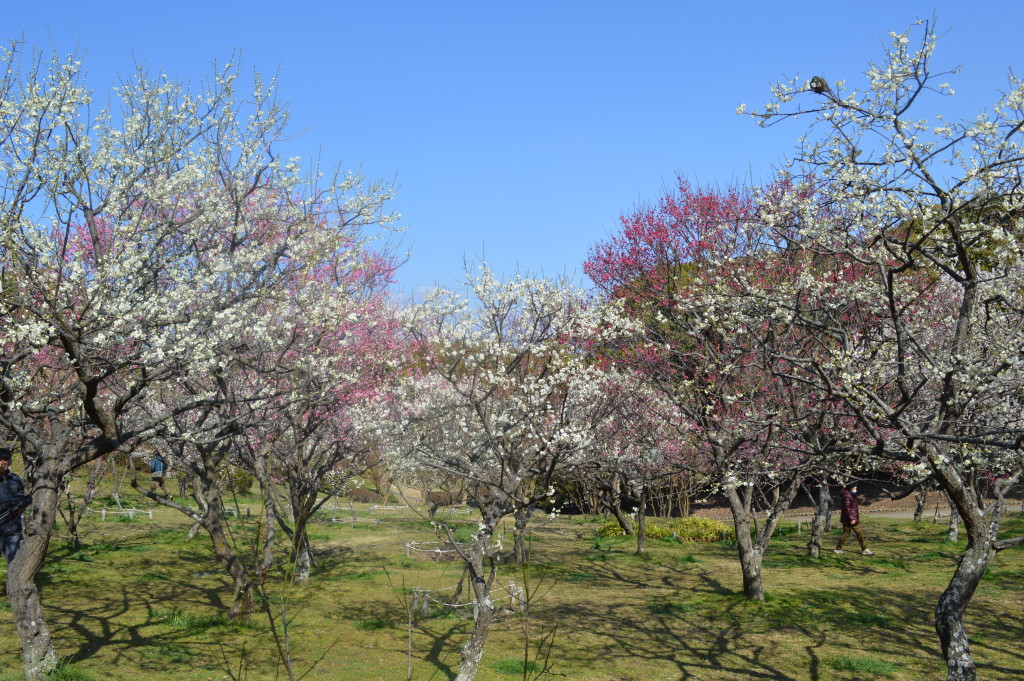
<point>142,601</point>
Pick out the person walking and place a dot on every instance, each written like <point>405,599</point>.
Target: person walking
<point>12,503</point>
<point>850,517</point>
<point>157,473</point>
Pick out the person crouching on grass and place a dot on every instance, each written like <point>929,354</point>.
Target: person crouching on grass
<point>850,517</point>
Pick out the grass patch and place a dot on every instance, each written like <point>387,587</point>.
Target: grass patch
<point>153,577</point>
<point>168,652</point>
<point>318,536</point>
<point>68,671</point>
<point>579,577</point>
<point>864,665</point>
<point>887,562</point>
<point>515,666</point>
<point>114,547</point>
<point>373,624</point>
<point>934,555</point>
<point>446,613</point>
<point>135,615</point>
<point>868,619</point>
<point>176,618</point>
<point>669,608</point>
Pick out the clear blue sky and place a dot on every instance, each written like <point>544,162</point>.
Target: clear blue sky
<point>523,129</point>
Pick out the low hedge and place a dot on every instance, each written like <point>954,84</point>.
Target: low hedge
<point>695,528</point>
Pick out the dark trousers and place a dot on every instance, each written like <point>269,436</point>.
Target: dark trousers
<point>11,543</point>
<point>846,535</point>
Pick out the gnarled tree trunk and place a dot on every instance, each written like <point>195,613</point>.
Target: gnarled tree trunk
<point>37,650</point>
<point>752,548</point>
<point>981,549</point>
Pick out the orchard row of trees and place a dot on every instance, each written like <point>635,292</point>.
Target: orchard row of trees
<point>171,284</point>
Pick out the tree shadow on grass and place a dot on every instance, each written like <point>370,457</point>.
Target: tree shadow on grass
<point>150,620</point>
<point>711,631</point>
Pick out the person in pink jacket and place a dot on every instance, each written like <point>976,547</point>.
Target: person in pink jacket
<point>850,517</point>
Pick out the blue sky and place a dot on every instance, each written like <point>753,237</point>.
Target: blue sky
<point>521,130</point>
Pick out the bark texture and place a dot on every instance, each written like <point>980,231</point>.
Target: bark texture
<point>38,653</point>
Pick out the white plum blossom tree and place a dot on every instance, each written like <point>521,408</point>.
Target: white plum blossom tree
<point>929,215</point>
<point>508,397</point>
<point>138,245</point>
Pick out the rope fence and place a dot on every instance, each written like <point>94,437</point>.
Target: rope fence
<point>422,598</point>
<point>130,513</point>
<point>432,550</point>
<point>389,509</point>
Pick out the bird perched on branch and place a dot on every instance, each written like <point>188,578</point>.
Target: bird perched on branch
<point>820,86</point>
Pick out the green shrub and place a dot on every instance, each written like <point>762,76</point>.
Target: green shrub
<point>657,531</point>
<point>237,480</point>
<point>701,530</point>
<point>610,528</point>
<point>695,528</point>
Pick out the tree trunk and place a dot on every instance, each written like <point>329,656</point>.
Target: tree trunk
<point>641,521</point>
<point>953,533</point>
<point>213,522</point>
<point>949,613</point>
<point>749,552</point>
<point>616,506</point>
<point>75,511</point>
<point>750,561</point>
<point>473,651</point>
<point>752,550</point>
<point>480,584</point>
<point>38,653</point>
<point>522,517</point>
<point>241,607</point>
<point>922,498</point>
<point>303,559</point>
<point>302,508</point>
<point>822,510</point>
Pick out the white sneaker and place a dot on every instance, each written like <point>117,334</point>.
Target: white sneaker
<point>838,551</point>
<point>867,552</point>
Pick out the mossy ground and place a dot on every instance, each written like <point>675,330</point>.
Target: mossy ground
<point>141,601</point>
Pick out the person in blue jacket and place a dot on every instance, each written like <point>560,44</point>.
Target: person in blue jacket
<point>157,472</point>
<point>12,502</point>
